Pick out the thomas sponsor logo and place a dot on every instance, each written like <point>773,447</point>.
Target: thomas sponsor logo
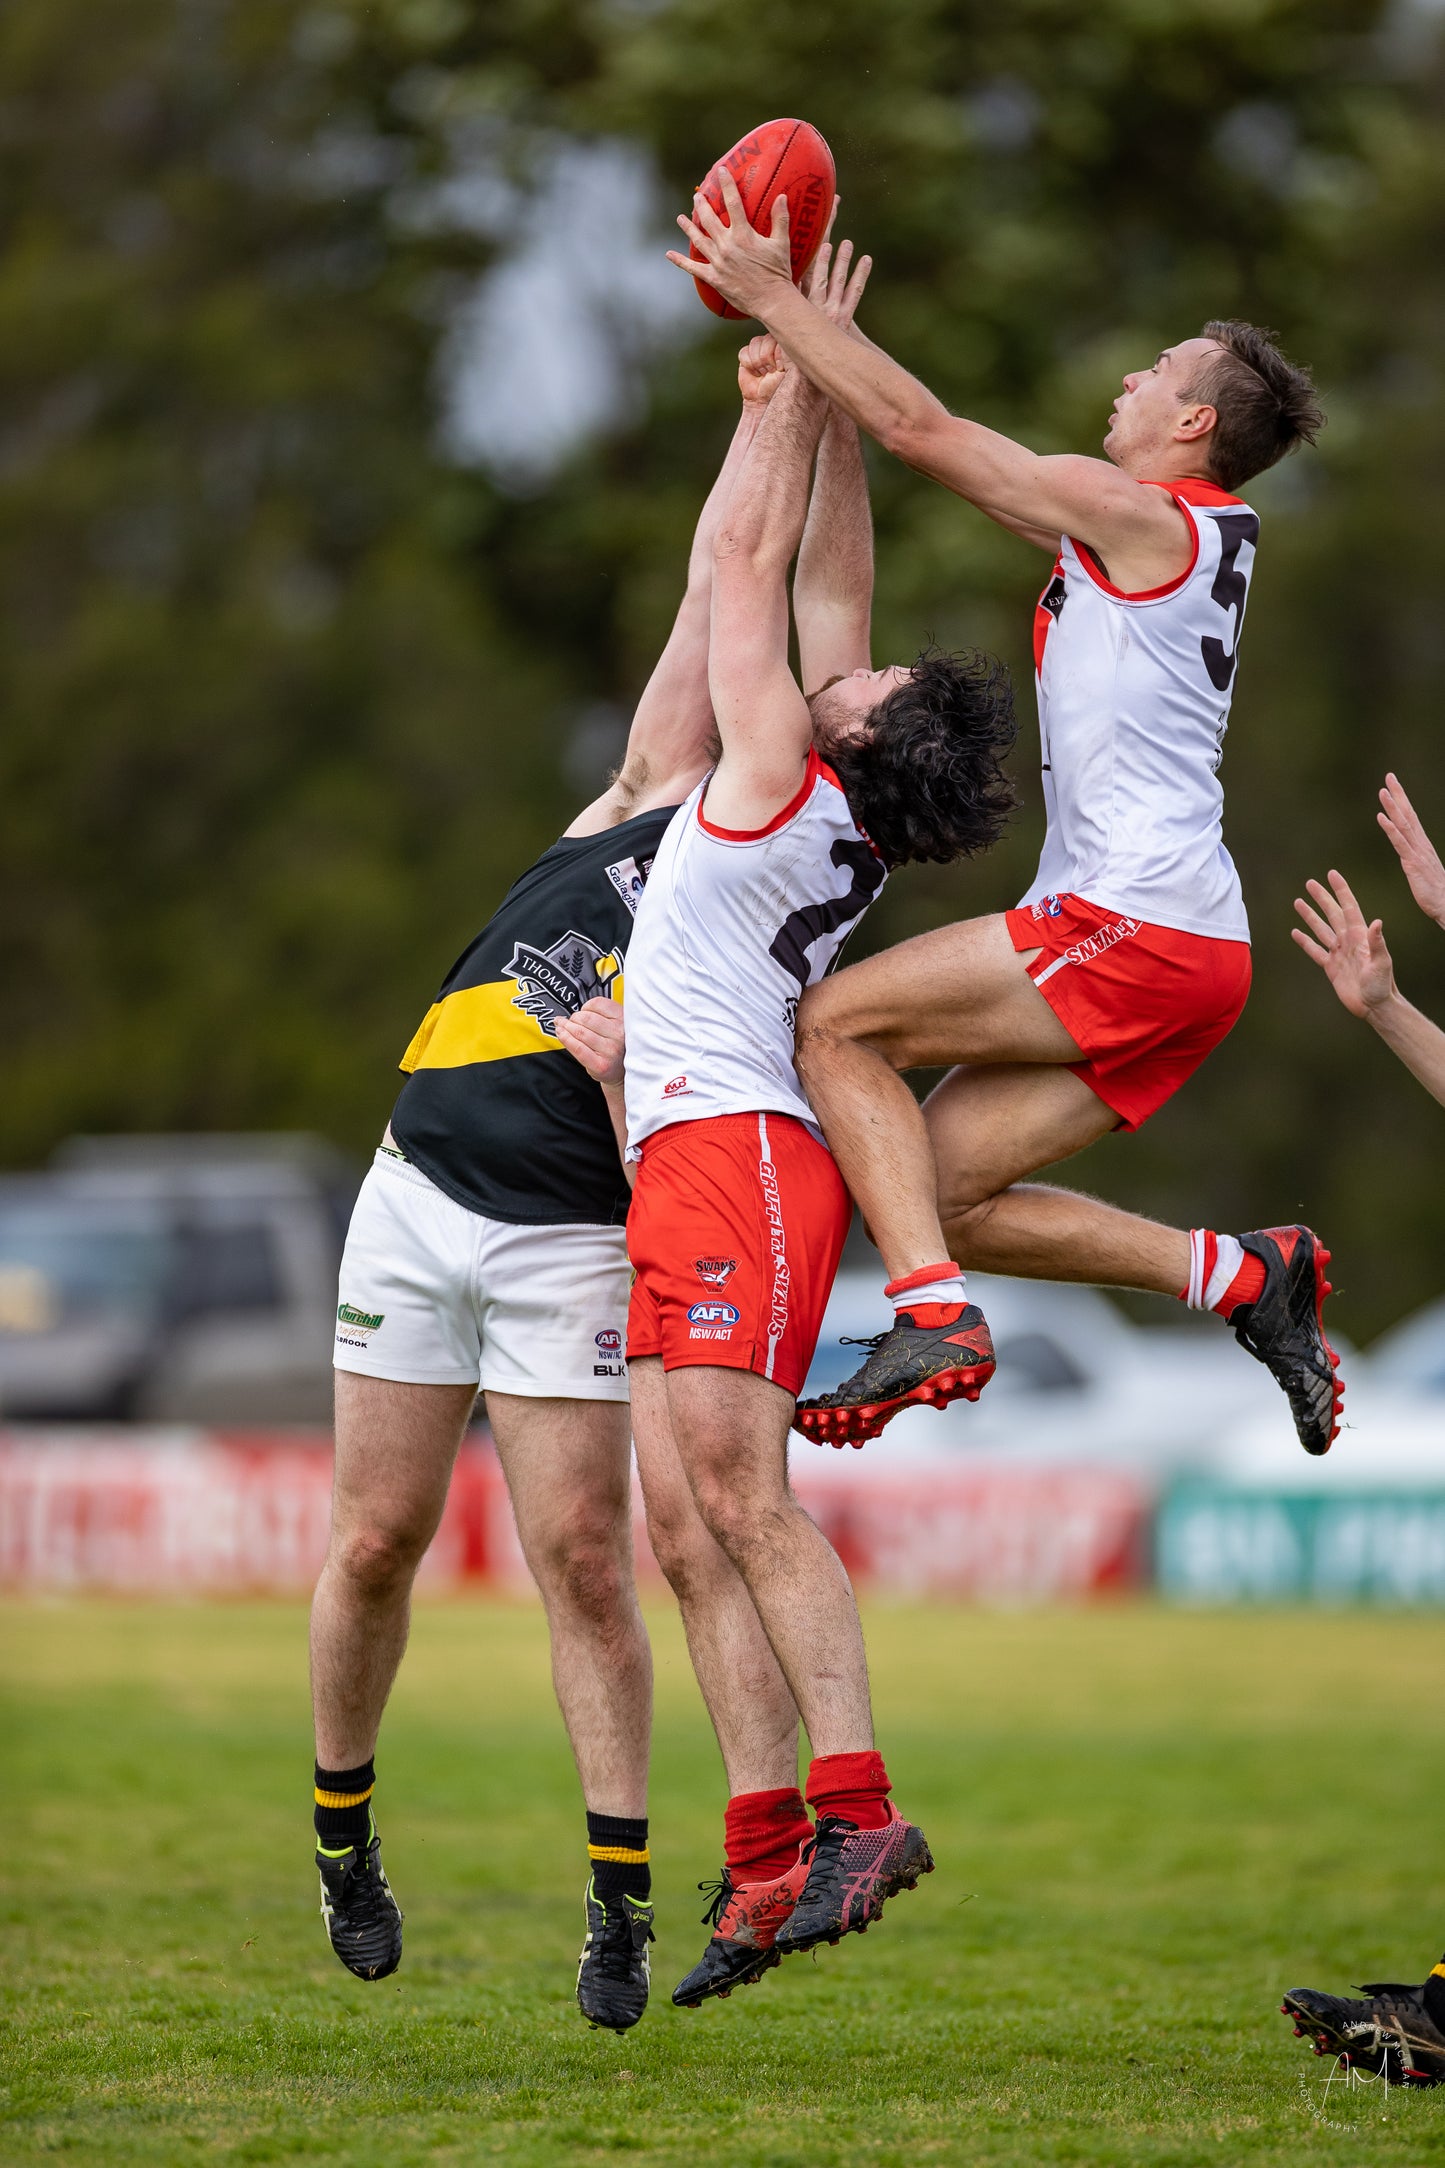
<point>556,981</point>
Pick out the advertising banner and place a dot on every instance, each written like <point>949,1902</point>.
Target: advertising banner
<point>1222,1544</point>
<point>228,1513</point>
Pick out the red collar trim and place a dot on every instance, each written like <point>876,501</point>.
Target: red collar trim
<point>811,772</point>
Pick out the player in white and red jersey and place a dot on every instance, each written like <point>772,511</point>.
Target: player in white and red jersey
<point>739,1212</point>
<point>1085,1008</point>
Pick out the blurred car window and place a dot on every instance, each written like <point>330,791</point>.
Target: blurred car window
<point>228,1270</point>
<point>63,1261</point>
<point>1035,1362</point>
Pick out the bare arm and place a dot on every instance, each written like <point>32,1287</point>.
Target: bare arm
<point>1355,960</point>
<point>1135,526</point>
<point>763,719</point>
<point>673,739</point>
<point>833,585</point>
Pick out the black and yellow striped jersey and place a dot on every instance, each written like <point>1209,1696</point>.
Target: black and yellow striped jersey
<point>495,1110</point>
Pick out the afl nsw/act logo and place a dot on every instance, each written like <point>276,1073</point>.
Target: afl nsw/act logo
<point>715,1271</point>
<point>711,1321</point>
<point>712,1313</point>
<point>555,981</point>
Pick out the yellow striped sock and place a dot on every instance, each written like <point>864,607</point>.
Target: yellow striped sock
<point>343,1799</point>
<point>620,1853</point>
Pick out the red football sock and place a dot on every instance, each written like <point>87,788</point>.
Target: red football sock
<point>853,1785</point>
<point>934,1295</point>
<point>1222,1273</point>
<point>762,1832</point>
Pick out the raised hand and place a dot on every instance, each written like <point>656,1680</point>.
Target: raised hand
<point>762,366</point>
<point>829,285</point>
<point>595,1037</point>
<point>1352,955</point>
<point>1416,853</point>
<point>740,262</point>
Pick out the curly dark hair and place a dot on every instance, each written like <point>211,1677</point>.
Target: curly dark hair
<point>1267,406</point>
<point>927,779</point>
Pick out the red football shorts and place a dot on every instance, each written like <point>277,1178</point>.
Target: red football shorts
<point>736,1228</point>
<point>1145,1003</point>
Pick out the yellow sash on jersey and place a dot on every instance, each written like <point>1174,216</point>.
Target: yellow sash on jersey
<point>481,1023</point>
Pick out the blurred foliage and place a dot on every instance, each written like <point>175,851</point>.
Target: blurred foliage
<point>287,697</point>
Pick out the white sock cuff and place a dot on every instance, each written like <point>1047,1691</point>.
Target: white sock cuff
<point>1229,1256</point>
<point>939,1290</point>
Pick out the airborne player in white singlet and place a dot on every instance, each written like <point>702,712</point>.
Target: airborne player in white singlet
<point>1085,1008</point>
<point>739,1212</point>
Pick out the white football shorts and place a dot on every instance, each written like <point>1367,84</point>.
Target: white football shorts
<point>432,1294</point>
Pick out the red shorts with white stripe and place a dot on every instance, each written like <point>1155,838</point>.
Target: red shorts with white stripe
<point>1145,1003</point>
<point>736,1228</point>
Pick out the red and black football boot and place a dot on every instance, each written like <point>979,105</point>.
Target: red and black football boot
<point>910,1365</point>
<point>852,1873</point>
<point>745,1918</point>
<point>1284,1329</point>
<point>1391,2034</point>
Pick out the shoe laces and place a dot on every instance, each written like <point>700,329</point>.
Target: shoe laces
<point>829,1837</point>
<point>873,1340</point>
<point>616,1954</point>
<point>363,1892</point>
<point>719,1896</point>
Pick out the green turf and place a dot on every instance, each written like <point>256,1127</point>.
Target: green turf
<point>1147,1825</point>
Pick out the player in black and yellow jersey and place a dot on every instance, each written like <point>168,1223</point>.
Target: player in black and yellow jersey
<point>488,1250</point>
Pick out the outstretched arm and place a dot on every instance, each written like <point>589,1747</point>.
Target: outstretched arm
<point>833,585</point>
<point>1355,960</point>
<point>673,739</point>
<point>1134,526</point>
<point>763,719</point>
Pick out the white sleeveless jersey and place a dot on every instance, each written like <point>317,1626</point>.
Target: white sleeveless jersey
<point>1134,694</point>
<point>732,926</point>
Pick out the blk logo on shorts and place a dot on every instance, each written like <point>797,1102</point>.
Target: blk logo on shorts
<point>715,1271</point>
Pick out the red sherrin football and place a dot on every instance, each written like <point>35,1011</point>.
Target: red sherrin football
<point>782,158</point>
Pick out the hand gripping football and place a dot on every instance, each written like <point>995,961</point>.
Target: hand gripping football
<point>782,158</point>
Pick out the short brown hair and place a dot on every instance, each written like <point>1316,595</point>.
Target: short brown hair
<point>1265,405</point>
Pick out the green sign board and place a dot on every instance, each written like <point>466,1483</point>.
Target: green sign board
<point>1220,1543</point>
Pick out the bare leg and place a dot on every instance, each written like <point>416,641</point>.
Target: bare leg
<point>747,1697</point>
<point>732,1431</point>
<point>990,1125</point>
<point>395,1445</point>
<point>961,994</point>
<point>568,1465</point>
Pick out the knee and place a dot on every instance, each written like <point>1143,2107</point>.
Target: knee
<point>685,1552</point>
<point>586,1572</point>
<point>732,1511</point>
<point>376,1561</point>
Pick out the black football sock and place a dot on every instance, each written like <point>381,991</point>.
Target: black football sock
<point>618,1851</point>
<point>1434,1996</point>
<point>343,1807</point>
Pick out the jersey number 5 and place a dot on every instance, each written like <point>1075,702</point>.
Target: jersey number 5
<point>1229,590</point>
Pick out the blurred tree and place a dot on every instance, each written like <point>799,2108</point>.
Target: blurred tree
<point>288,696</point>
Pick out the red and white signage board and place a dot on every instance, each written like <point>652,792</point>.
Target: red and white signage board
<point>228,1513</point>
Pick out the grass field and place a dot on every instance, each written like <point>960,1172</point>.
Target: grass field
<point>1147,1824</point>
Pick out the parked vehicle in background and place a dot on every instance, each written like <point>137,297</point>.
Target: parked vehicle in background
<point>173,1279</point>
